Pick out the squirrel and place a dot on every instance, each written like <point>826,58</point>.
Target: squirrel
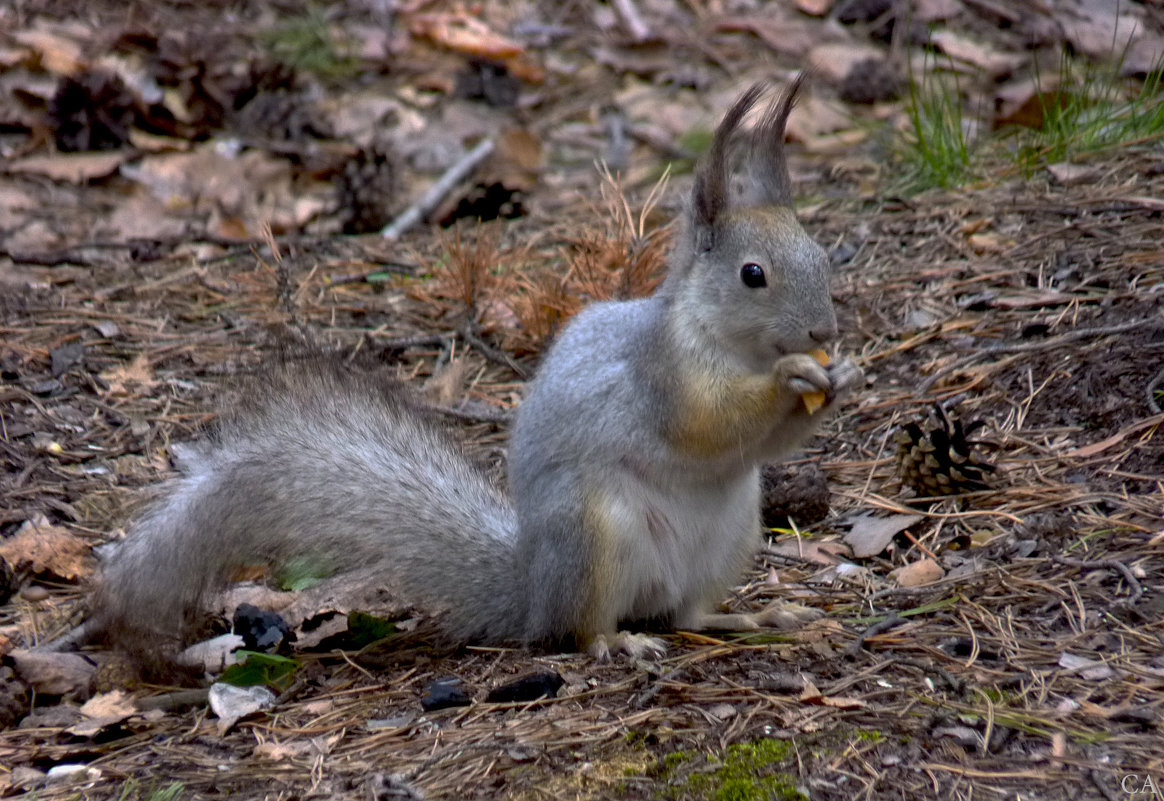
<point>633,462</point>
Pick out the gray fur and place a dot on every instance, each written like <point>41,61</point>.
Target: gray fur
<point>329,463</point>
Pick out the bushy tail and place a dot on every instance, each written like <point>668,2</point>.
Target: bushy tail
<point>337,467</point>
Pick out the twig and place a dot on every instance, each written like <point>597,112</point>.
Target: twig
<point>423,340</point>
<point>482,415</point>
<point>1030,347</point>
<point>635,25</point>
<point>437,192</point>
<point>1103,784</point>
<point>1150,392</point>
<point>1111,564</point>
<point>893,621</point>
<point>491,353</point>
<point>72,639</point>
<point>170,702</point>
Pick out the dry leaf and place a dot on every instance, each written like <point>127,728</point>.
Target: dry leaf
<point>835,61</point>
<point>989,242</point>
<point>788,36</point>
<point>1026,102</point>
<point>77,168</point>
<point>1090,669</point>
<point>447,384</point>
<point>815,8</point>
<point>871,535</point>
<point>991,61</point>
<point>60,55</point>
<point>464,34</point>
<point>102,711</point>
<point>823,553</point>
<point>813,118</point>
<point>54,672</point>
<point>922,572</point>
<point>928,11</point>
<point>1072,174</point>
<point>811,695</point>
<point>41,547</point>
<point>1099,30</point>
<point>135,378</point>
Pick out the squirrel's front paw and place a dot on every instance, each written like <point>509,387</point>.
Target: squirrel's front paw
<point>845,376</point>
<point>802,374</point>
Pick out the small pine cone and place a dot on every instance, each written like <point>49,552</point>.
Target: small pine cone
<point>936,458</point>
<point>799,492</point>
<point>14,698</point>
<point>366,190</point>
<point>93,111</point>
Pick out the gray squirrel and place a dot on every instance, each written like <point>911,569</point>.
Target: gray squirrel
<point>633,462</point>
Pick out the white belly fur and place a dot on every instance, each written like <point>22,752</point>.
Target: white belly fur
<point>682,548</point>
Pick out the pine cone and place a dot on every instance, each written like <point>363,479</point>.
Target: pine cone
<point>366,190</point>
<point>93,111</point>
<point>935,457</point>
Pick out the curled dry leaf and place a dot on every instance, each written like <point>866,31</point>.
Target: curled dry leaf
<point>74,168</point>
<point>918,574</point>
<point>134,378</point>
<point>464,34</point>
<point>871,535</point>
<point>102,711</point>
<point>41,547</point>
<point>54,672</point>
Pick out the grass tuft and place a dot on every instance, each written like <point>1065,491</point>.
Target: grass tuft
<point>308,43</point>
<point>1092,112</point>
<point>937,149</point>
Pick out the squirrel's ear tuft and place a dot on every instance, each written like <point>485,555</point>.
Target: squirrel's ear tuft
<point>712,178</point>
<point>768,181</point>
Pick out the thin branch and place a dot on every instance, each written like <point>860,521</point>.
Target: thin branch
<point>438,191</point>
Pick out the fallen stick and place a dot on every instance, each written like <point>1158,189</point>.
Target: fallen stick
<point>437,192</point>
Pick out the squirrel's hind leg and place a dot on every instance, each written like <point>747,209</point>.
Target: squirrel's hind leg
<point>778,615</point>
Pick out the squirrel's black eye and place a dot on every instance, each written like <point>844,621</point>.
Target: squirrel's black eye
<point>752,275</point>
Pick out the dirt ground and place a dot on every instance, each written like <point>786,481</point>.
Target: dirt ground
<point>1019,656</point>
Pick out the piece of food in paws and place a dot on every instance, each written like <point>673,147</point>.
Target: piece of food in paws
<point>814,400</point>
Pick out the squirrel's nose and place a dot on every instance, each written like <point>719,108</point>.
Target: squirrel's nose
<point>824,333</point>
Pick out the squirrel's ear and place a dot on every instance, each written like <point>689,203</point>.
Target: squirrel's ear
<point>712,178</point>
<point>767,180</point>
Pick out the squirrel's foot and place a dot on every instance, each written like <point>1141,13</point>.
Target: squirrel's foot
<point>785,615</point>
<point>633,645</point>
<point>778,615</point>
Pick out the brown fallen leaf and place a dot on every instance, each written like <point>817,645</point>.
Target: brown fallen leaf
<point>1072,174</point>
<point>811,695</point>
<point>54,672</point>
<point>102,711</point>
<point>918,574</point>
<point>813,118</point>
<point>928,11</point>
<point>788,36</point>
<point>871,535</point>
<point>834,61</point>
<point>823,553</point>
<point>989,242</point>
<point>1026,102</point>
<point>41,547</point>
<point>135,378</point>
<point>76,168</point>
<point>464,34</point>
<point>58,53</point>
<point>815,8</point>
<point>962,48</point>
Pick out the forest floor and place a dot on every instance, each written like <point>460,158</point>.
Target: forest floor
<point>187,188</point>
